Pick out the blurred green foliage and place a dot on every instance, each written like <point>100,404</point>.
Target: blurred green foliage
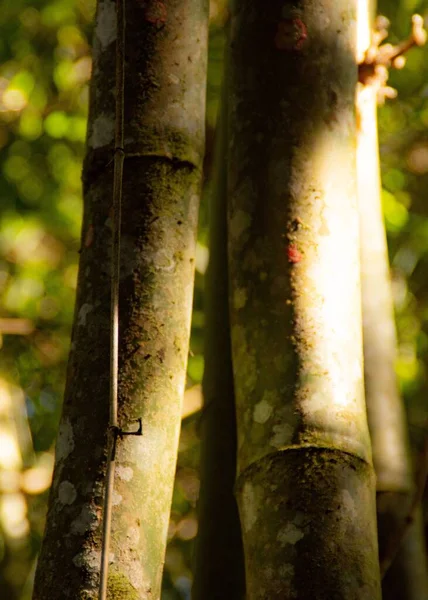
<point>45,67</point>
<point>403,133</point>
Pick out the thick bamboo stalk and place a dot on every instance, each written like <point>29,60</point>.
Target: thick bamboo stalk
<point>306,487</point>
<point>165,60</point>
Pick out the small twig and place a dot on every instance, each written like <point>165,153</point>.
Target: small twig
<point>379,58</point>
<point>418,37</point>
<point>120,433</point>
<point>396,540</point>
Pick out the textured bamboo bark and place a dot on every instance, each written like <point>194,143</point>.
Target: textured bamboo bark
<point>306,487</point>
<point>219,559</point>
<point>407,578</point>
<point>166,46</point>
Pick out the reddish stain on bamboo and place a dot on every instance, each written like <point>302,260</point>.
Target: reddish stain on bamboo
<point>293,254</point>
<point>291,34</point>
<point>155,12</point>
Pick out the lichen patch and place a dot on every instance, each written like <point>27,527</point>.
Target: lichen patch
<point>87,520</point>
<point>105,29</point>
<point>116,498</point>
<point>102,132</point>
<point>89,560</point>
<point>133,535</point>
<point>84,311</point>
<point>250,505</point>
<point>65,441</point>
<point>262,411</point>
<point>124,473</point>
<point>282,434</point>
<point>290,534</point>
<point>66,492</point>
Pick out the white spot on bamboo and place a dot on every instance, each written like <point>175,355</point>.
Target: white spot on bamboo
<point>102,132</point>
<point>136,576</point>
<point>290,534</point>
<point>282,435</point>
<point>262,411</point>
<point>65,441</point>
<point>173,79</point>
<point>116,498</point>
<point>250,505</point>
<point>163,261</point>
<point>133,535</point>
<point>87,520</point>
<point>105,28</point>
<point>66,492</point>
<point>90,560</point>
<point>125,473</point>
<point>85,309</point>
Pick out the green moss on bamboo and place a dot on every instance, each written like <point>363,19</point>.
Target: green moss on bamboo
<point>120,588</point>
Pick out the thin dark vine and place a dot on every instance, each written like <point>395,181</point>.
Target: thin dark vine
<point>119,155</point>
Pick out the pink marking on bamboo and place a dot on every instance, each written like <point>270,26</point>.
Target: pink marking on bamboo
<point>293,254</point>
<point>291,34</point>
<point>156,13</point>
